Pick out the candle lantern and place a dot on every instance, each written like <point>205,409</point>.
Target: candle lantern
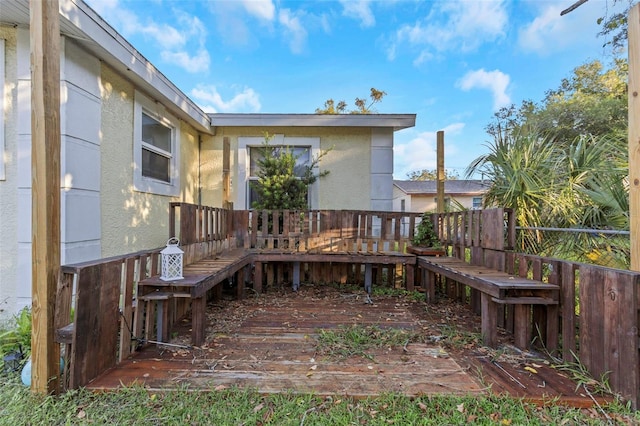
<point>13,360</point>
<point>171,261</point>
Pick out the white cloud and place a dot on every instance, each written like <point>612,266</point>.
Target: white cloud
<point>359,10</point>
<point>190,63</point>
<point>175,42</point>
<point>210,100</point>
<point>263,9</point>
<point>296,32</point>
<point>495,81</point>
<point>420,152</point>
<point>550,33</point>
<point>453,25</point>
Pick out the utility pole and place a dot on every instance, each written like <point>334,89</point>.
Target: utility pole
<point>440,170</point>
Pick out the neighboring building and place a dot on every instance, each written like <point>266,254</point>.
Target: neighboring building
<point>421,195</point>
<point>132,142</point>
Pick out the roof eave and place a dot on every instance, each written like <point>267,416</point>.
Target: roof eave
<point>394,121</point>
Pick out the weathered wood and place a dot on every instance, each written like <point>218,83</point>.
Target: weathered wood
<point>328,231</point>
<point>96,328</point>
<point>126,345</point>
<point>496,287</point>
<point>489,320</point>
<point>620,331</point>
<point>45,191</point>
<point>591,331</point>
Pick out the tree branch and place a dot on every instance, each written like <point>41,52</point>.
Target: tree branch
<point>573,7</point>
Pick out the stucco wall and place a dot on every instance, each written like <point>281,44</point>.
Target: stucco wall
<point>211,170</point>
<point>133,220</point>
<point>427,203</point>
<point>347,186</point>
<point>8,187</point>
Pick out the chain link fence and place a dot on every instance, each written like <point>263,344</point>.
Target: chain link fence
<point>609,248</point>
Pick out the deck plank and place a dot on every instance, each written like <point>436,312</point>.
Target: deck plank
<point>268,344</point>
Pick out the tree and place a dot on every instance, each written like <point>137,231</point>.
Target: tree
<point>282,183</point>
<point>592,101</point>
<point>362,107</point>
<point>572,149</point>
<point>426,174</point>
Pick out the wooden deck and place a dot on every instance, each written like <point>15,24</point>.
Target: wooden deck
<point>268,343</point>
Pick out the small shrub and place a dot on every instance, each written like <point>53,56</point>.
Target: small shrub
<point>425,235</point>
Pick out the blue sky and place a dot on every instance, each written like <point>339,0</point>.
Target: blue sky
<point>453,63</point>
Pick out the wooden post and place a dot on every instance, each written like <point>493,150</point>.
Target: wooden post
<point>226,169</point>
<point>45,189</point>
<point>440,171</point>
<point>634,134</point>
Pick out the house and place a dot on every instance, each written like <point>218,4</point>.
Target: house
<point>131,142</point>
<point>421,195</point>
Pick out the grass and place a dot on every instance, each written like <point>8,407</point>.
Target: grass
<point>232,406</point>
<point>137,406</point>
<point>356,340</point>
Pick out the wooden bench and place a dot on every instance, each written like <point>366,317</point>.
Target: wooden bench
<point>497,288</point>
<point>368,259</point>
<point>199,277</point>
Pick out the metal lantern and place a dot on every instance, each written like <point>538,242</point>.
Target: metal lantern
<point>171,261</point>
<point>13,360</point>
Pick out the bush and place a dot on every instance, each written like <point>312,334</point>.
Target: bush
<point>425,235</point>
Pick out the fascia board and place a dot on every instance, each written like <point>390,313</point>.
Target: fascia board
<point>395,121</point>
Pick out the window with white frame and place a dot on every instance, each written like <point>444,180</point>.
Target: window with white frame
<point>156,148</point>
<point>2,170</point>
<point>249,151</point>
<point>477,203</point>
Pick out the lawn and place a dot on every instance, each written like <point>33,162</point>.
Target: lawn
<point>227,406</point>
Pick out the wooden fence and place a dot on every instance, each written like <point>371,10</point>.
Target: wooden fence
<point>598,315</point>
<point>597,322</point>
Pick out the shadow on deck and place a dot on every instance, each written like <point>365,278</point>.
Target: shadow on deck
<point>268,343</point>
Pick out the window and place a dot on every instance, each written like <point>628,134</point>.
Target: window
<point>303,158</point>
<point>156,148</point>
<point>305,148</point>
<point>2,171</point>
<point>477,203</point>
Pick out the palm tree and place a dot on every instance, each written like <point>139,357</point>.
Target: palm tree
<point>581,184</point>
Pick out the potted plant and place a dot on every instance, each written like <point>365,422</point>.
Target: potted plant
<point>425,241</point>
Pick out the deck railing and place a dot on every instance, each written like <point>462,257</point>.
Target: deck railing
<point>597,323</point>
<point>598,316</point>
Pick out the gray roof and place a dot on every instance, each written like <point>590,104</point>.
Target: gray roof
<point>457,187</point>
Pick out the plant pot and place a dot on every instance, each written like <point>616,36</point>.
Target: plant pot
<point>426,251</point>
